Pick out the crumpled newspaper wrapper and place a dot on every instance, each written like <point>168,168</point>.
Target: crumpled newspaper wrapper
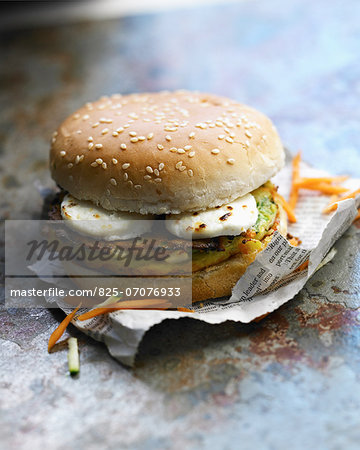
<point>269,282</point>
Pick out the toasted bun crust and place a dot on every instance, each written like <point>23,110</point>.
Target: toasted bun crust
<point>166,152</point>
<point>219,279</point>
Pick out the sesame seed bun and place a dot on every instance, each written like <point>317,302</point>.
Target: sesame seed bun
<point>166,152</point>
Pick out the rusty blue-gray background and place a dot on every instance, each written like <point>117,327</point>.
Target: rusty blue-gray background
<point>291,380</point>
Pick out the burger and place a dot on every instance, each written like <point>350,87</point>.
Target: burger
<point>201,162</point>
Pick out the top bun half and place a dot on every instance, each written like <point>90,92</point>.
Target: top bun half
<point>167,152</point>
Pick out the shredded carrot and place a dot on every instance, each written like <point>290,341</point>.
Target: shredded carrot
<point>333,206</point>
<point>302,266</point>
<point>56,335</point>
<point>334,198</point>
<point>259,318</point>
<point>131,304</point>
<point>293,198</point>
<point>289,211</point>
<point>326,188</point>
<point>294,242</point>
<point>304,181</point>
<point>185,310</point>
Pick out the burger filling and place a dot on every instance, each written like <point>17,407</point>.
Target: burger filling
<point>247,242</point>
<point>217,234</point>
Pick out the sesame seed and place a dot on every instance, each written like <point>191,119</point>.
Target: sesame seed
<point>104,131</point>
<point>113,181</point>
<point>229,139</point>
<point>63,153</point>
<point>126,125</point>
<point>134,139</point>
<point>86,117</point>
<point>96,124</point>
<point>137,186</point>
<point>123,146</point>
<point>238,124</point>
<point>160,147</point>
<point>211,125</point>
<point>55,133</point>
<point>221,136</point>
<point>120,129</point>
<point>203,126</point>
<point>232,135</point>
<point>130,183</point>
<point>156,172</point>
<point>99,161</point>
<point>150,136</point>
<point>168,138</point>
<point>182,168</point>
<point>215,151</point>
<point>126,176</point>
<point>132,133</point>
<point>149,169</point>
<point>170,128</point>
<point>248,134</point>
<point>142,138</point>
<point>76,116</point>
<point>180,150</point>
<point>192,135</point>
<point>94,164</point>
<point>157,180</point>
<point>114,161</point>
<point>190,173</point>
<point>90,139</point>
<point>125,166</point>
<point>218,124</point>
<point>115,133</point>
<point>191,154</point>
<point>70,165</point>
<point>97,146</point>
<point>226,130</point>
<point>108,193</point>
<point>188,147</point>
<point>231,161</point>
<point>79,158</point>
<point>147,177</point>
<point>161,166</point>
<point>178,164</point>
<point>104,120</point>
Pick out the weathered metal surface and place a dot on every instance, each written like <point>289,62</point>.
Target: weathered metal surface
<point>290,380</point>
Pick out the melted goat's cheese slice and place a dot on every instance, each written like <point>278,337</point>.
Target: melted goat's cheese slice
<point>231,219</point>
<point>87,218</point>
